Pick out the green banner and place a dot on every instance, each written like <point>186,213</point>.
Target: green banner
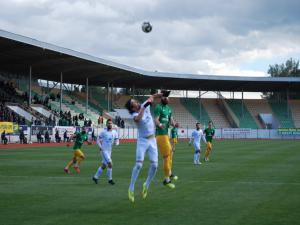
<point>289,131</point>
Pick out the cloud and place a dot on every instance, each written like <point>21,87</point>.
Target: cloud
<point>200,37</point>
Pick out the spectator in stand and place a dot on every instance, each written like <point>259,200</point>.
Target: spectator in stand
<point>57,137</point>
<point>94,138</point>
<point>4,139</point>
<point>122,124</point>
<point>90,123</point>
<point>47,137</point>
<point>39,137</point>
<point>66,137</point>
<point>23,139</point>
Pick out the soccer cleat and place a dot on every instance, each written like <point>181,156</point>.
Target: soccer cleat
<point>169,184</point>
<point>67,171</point>
<point>174,177</point>
<point>199,163</point>
<point>144,191</point>
<point>111,182</point>
<point>95,180</point>
<point>206,159</point>
<point>131,196</point>
<point>77,169</point>
<point>195,162</point>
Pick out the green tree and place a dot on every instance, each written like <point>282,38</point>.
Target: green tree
<point>288,69</point>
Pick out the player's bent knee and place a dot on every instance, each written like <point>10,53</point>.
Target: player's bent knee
<point>154,165</point>
<point>138,165</point>
<point>109,165</point>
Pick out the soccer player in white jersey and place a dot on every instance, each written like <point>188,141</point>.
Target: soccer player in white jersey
<point>196,137</point>
<point>146,142</point>
<point>105,141</point>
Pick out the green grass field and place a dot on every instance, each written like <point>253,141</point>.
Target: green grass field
<point>246,182</point>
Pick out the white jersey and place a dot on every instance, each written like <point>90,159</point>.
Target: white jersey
<point>196,136</point>
<point>106,139</point>
<point>145,126</point>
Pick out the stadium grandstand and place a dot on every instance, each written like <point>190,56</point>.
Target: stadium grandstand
<point>45,85</point>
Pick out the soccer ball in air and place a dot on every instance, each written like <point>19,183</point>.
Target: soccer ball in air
<point>146,27</point>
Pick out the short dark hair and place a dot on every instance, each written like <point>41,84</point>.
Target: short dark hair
<point>128,106</point>
<point>198,123</point>
<point>108,120</point>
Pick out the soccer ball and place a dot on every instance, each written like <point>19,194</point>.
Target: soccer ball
<point>146,27</point>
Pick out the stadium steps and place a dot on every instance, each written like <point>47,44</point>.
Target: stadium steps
<point>215,113</point>
<point>189,111</point>
<point>279,109</point>
<point>97,97</point>
<point>295,109</point>
<point>21,112</point>
<point>121,101</point>
<point>79,107</point>
<point>245,118</point>
<point>257,106</point>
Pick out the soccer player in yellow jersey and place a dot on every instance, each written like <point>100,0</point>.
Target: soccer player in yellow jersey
<point>78,155</point>
<point>209,134</point>
<point>163,120</point>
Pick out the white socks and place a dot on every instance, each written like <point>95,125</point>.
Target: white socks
<point>135,173</point>
<point>109,173</point>
<point>99,171</point>
<point>151,174</point>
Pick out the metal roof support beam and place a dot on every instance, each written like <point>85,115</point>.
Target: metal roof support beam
<point>61,93</point>
<point>29,96</point>
<point>200,107</point>
<point>87,95</point>
<point>242,104</point>
<point>287,103</point>
<point>111,95</point>
<point>107,96</point>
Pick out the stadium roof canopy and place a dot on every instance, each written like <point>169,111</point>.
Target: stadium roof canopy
<point>18,53</point>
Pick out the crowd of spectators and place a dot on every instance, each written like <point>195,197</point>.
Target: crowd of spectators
<point>8,115</point>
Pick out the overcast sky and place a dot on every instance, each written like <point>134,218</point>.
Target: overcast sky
<point>233,37</point>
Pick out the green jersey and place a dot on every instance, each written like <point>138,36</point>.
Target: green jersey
<point>174,132</point>
<point>164,113</point>
<point>209,133</point>
<point>80,138</point>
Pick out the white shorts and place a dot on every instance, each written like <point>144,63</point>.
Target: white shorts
<point>144,145</point>
<point>197,146</point>
<point>106,157</point>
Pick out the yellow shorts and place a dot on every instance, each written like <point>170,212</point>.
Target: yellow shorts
<point>78,154</point>
<point>164,145</point>
<point>174,140</point>
<point>209,145</point>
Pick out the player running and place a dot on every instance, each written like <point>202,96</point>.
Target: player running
<point>105,140</point>
<point>146,142</point>
<point>78,156</point>
<point>163,119</point>
<point>196,137</point>
<point>209,134</point>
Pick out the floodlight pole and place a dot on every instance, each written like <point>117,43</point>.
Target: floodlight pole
<point>61,93</point>
<point>30,74</point>
<point>87,95</point>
